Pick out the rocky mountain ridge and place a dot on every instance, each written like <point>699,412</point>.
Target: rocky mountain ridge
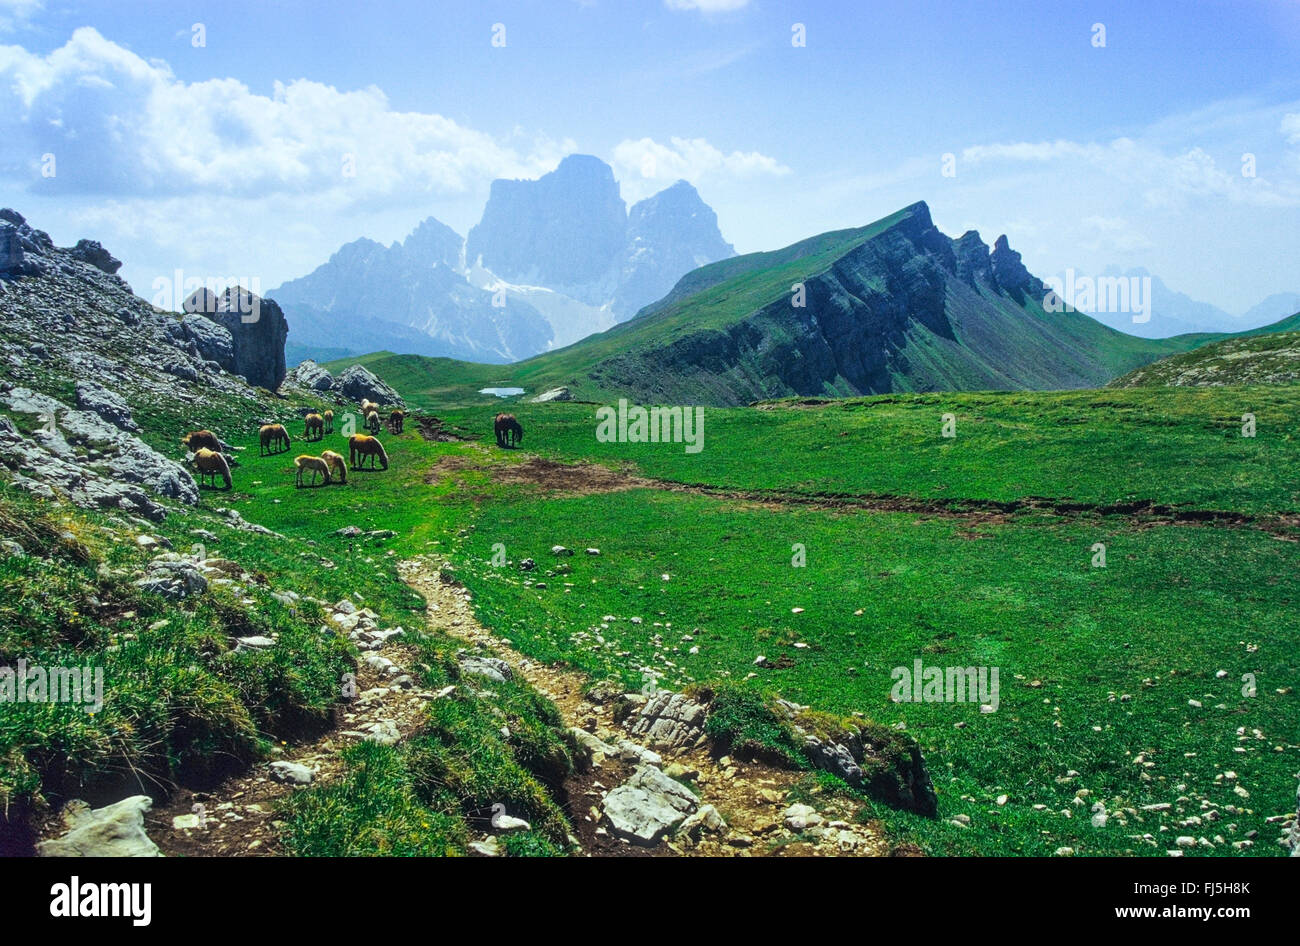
<point>551,261</point>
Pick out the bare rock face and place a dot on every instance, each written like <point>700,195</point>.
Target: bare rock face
<point>113,831</point>
<point>1010,272</point>
<point>357,383</point>
<point>93,252</point>
<point>671,720</point>
<point>648,806</point>
<point>98,399</point>
<point>257,330</point>
<point>309,375</point>
<point>884,762</point>
<point>58,459</point>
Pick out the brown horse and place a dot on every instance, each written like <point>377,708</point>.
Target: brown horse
<point>360,447</point>
<point>509,431</point>
<point>337,467</point>
<point>272,438</point>
<point>313,465</point>
<point>315,427</point>
<point>329,422</point>
<point>397,421</point>
<point>372,422</point>
<point>211,463</point>
<point>196,440</point>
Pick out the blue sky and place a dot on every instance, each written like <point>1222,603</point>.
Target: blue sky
<point>226,158</point>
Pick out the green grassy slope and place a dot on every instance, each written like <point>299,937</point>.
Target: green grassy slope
<point>184,706</point>
<point>1251,358</point>
<point>1124,683</point>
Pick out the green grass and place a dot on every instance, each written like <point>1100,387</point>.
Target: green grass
<point>1016,590</point>
<point>183,707</point>
<point>1175,604</point>
<point>1177,446</point>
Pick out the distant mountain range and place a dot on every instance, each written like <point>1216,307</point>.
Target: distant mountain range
<point>551,261</point>
<point>1175,313</point>
<point>893,306</point>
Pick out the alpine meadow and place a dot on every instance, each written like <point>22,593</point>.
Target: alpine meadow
<point>677,429</point>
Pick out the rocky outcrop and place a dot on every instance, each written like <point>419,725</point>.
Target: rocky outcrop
<point>93,252</point>
<point>23,250</point>
<point>257,330</point>
<point>1010,272</point>
<point>213,341</point>
<point>885,763</point>
<point>310,377</point>
<point>648,806</point>
<point>670,720</point>
<point>358,383</point>
<point>94,397</point>
<point>113,831</point>
<point>46,466</point>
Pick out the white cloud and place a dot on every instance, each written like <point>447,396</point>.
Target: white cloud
<point>1163,176</point>
<point>18,13</point>
<point>1291,128</point>
<point>707,6</point>
<point>644,165</point>
<point>122,126</point>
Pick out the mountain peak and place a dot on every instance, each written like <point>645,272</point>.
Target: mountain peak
<point>584,165</point>
<point>919,213</point>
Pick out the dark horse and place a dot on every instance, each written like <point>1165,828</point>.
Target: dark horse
<point>509,431</point>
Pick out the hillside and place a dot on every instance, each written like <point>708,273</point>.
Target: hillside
<point>284,668</point>
<point>893,306</point>
<point>1251,358</point>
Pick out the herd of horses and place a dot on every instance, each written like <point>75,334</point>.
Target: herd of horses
<point>209,455</point>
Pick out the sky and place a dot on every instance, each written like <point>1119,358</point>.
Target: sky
<point>251,140</point>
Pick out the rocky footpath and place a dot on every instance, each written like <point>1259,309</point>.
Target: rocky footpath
<point>649,781</point>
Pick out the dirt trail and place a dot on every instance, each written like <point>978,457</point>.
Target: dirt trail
<point>238,817</point>
<point>750,796</point>
<point>582,479</point>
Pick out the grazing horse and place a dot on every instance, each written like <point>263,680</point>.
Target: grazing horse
<point>329,422</point>
<point>199,439</point>
<point>368,405</point>
<point>313,465</point>
<point>338,468</point>
<point>509,431</point>
<point>272,437</point>
<point>211,463</point>
<point>360,447</point>
<point>315,427</point>
<point>397,421</point>
<point>372,422</point>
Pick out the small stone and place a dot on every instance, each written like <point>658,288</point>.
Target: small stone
<point>291,773</point>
